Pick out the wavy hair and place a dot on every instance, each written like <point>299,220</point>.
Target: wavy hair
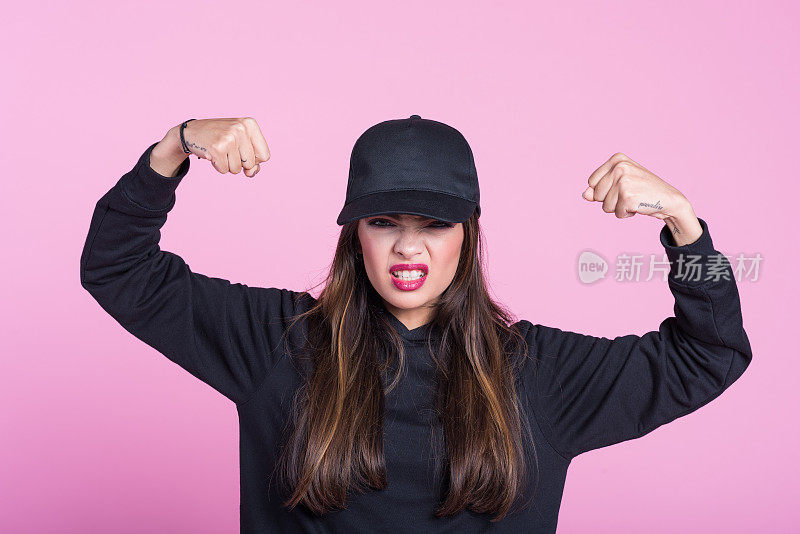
<point>336,443</point>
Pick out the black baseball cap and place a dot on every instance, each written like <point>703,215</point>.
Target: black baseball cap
<point>416,166</point>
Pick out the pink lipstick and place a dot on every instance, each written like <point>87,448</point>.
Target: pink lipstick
<point>408,284</point>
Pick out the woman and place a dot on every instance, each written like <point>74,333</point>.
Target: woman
<point>403,399</point>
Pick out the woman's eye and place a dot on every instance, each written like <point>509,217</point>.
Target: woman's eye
<point>383,223</point>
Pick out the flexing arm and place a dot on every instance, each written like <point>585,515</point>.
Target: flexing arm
<point>589,391</point>
<point>222,333</point>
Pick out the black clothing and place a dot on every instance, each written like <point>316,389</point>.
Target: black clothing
<point>414,165</point>
<point>586,392</point>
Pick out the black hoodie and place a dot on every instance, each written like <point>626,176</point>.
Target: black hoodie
<point>579,392</point>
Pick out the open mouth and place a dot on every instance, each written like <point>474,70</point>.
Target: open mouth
<point>408,276</point>
<point>412,271</point>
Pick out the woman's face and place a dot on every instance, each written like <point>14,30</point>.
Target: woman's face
<point>410,245</point>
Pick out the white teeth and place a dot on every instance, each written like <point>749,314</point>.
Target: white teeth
<point>409,275</point>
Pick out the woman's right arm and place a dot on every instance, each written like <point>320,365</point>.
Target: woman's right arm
<point>226,334</point>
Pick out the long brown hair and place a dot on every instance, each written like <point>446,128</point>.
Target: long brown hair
<point>337,440</point>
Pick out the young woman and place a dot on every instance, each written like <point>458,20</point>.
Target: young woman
<point>403,399</point>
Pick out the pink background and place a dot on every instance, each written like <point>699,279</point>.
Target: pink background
<point>100,433</point>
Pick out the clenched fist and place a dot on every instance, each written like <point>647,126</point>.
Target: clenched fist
<point>626,188</point>
<point>229,144</point>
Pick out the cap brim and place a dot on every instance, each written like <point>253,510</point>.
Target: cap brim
<point>431,204</point>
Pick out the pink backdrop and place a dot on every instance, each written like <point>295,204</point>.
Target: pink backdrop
<point>100,433</point>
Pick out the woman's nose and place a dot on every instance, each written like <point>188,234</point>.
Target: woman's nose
<point>408,245</point>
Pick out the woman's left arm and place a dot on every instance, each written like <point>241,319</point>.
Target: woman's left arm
<point>591,392</point>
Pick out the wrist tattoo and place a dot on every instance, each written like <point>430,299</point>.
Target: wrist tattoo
<point>656,206</point>
<point>195,146</point>
<point>673,227</point>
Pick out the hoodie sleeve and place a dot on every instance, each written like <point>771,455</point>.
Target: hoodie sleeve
<point>591,392</point>
<point>226,334</point>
